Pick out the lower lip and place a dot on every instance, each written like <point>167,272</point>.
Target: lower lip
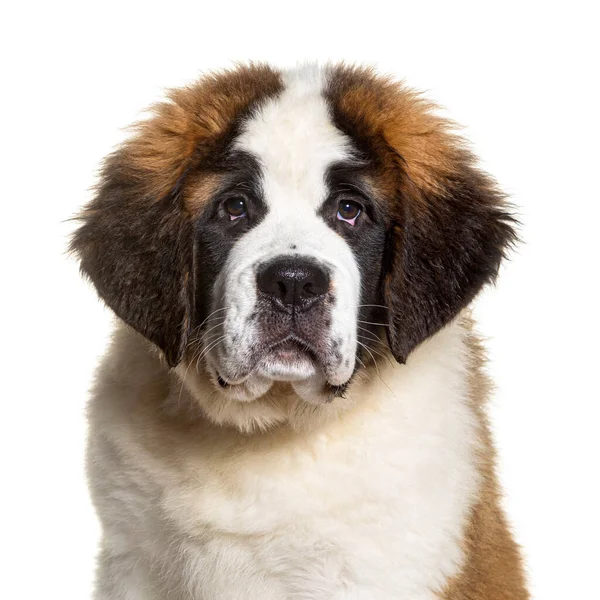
<point>290,352</point>
<point>287,363</point>
<point>288,355</point>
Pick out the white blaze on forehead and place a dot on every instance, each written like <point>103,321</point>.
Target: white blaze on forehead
<point>295,140</point>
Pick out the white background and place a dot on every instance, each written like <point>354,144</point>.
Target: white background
<point>523,80</point>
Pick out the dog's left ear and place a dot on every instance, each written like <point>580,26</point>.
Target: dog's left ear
<point>448,226</point>
<point>450,232</point>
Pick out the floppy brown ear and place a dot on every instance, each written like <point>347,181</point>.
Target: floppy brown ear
<point>136,241</point>
<point>447,243</point>
<point>136,246</point>
<point>448,228</point>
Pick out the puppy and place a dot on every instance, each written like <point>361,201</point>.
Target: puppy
<point>293,402</point>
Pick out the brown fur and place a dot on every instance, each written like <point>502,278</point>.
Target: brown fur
<point>448,231</point>
<point>493,569</point>
<point>403,121</point>
<point>136,242</point>
<point>448,228</point>
<point>199,189</point>
<point>193,124</point>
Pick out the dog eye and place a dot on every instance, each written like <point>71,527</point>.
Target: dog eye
<point>348,211</point>
<point>235,207</point>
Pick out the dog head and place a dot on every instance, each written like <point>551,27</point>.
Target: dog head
<point>282,226</point>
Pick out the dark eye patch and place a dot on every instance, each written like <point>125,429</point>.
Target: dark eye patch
<point>216,232</point>
<point>346,184</point>
<point>237,204</point>
<point>351,197</point>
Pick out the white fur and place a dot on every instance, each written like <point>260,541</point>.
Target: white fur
<point>295,142</point>
<point>367,500</point>
<point>253,493</point>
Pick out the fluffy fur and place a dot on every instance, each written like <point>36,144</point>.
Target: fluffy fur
<point>361,469</point>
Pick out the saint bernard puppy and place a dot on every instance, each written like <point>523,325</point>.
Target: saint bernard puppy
<point>293,404</point>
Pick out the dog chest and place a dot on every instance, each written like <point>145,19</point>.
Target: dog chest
<point>372,512</point>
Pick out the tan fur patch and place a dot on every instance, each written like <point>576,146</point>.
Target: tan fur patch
<point>199,189</point>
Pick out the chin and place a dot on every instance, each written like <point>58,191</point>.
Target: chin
<point>292,405</point>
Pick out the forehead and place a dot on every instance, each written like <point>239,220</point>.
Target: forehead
<point>295,142</point>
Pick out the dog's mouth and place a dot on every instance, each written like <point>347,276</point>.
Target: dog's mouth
<point>287,359</point>
<point>290,359</point>
<point>291,349</point>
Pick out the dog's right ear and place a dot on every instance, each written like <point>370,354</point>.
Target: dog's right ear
<point>136,246</point>
<point>136,241</point>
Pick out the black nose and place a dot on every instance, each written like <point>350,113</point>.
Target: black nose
<point>293,281</point>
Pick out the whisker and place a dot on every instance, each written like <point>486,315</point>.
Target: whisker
<point>377,370</point>
<point>371,323</point>
<point>219,319</point>
<point>384,347</point>
<point>200,338</point>
<point>199,346</point>
<point>380,353</point>
<point>183,382</point>
<point>369,351</point>
<point>373,337</point>
<point>361,362</point>
<point>376,305</point>
<point>214,312</point>
<point>212,345</point>
<point>202,354</point>
<point>209,330</point>
<point>366,339</point>
<point>211,338</point>
<point>368,330</point>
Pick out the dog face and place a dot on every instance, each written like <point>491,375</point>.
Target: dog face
<point>284,304</point>
<point>279,226</point>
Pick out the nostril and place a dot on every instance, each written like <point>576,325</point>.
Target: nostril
<point>282,290</point>
<point>307,289</point>
<point>316,283</point>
